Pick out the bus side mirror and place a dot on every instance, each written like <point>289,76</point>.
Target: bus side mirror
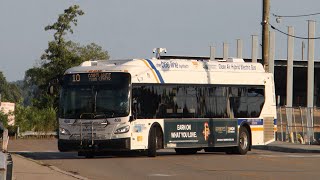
<point>53,84</point>
<point>134,110</point>
<point>51,91</point>
<point>131,118</point>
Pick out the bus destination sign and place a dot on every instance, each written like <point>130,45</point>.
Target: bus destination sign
<point>91,77</point>
<point>99,76</point>
<point>96,78</point>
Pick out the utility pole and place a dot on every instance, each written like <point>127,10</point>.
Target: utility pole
<point>265,34</point>
<point>302,52</point>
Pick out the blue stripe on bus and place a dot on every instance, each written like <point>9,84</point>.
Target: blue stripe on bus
<point>251,121</point>
<point>254,121</point>
<point>156,70</point>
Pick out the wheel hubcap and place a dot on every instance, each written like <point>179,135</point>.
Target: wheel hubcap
<point>243,140</point>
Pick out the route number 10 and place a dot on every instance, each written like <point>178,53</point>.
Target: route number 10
<point>75,78</point>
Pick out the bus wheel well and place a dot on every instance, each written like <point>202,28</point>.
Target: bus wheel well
<point>159,135</point>
<point>247,126</point>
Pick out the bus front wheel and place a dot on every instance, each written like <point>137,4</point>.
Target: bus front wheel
<point>152,143</point>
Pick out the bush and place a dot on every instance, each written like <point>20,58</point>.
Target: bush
<point>34,119</point>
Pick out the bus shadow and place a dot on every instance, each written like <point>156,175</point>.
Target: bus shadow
<point>74,155</point>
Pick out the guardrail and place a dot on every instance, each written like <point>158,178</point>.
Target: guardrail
<point>298,125</point>
<point>37,134</point>
<point>6,163</point>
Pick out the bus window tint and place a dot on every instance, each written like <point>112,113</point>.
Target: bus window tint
<point>255,101</point>
<point>197,101</point>
<point>246,102</point>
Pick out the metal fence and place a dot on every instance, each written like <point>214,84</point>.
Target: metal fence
<point>298,125</point>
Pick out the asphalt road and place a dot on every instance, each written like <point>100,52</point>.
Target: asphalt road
<point>257,164</point>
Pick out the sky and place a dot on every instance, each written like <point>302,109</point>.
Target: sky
<point>132,28</point>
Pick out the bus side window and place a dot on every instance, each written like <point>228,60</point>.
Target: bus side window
<point>161,111</point>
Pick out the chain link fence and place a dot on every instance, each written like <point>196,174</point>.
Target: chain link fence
<point>298,125</point>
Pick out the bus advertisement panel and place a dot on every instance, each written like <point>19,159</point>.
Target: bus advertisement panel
<point>200,133</point>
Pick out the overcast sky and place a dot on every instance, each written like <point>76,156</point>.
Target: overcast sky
<point>132,28</point>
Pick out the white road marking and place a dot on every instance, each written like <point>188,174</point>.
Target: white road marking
<point>160,175</point>
<point>292,156</point>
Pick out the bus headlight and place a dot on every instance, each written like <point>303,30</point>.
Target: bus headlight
<point>64,131</point>
<point>122,130</point>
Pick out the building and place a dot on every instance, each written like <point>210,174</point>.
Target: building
<point>8,107</point>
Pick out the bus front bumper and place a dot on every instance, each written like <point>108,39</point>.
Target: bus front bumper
<point>97,145</point>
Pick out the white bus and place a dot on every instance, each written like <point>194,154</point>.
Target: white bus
<point>151,104</point>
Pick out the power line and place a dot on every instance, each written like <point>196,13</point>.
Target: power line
<point>301,15</point>
<point>298,37</point>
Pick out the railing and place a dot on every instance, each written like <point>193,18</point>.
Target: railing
<point>6,163</point>
<point>298,125</point>
<point>33,134</point>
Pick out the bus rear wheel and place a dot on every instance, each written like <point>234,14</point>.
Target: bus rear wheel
<point>244,142</point>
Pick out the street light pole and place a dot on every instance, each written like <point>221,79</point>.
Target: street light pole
<point>265,34</point>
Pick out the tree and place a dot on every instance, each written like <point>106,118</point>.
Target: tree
<point>34,119</point>
<point>90,52</point>
<point>4,119</point>
<point>59,56</point>
<point>9,91</point>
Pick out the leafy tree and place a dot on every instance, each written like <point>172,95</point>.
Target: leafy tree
<point>22,117</point>
<point>34,119</point>
<point>9,91</point>
<point>26,92</point>
<point>4,119</point>
<point>89,52</point>
<point>60,55</point>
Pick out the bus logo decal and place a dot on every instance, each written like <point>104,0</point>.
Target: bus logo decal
<point>155,70</point>
<point>206,131</point>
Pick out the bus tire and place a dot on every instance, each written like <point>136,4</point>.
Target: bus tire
<point>61,147</point>
<point>152,143</point>
<point>244,142</point>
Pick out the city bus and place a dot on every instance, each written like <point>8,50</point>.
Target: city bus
<point>149,104</point>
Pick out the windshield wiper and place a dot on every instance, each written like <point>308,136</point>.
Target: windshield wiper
<point>100,115</point>
<point>87,116</point>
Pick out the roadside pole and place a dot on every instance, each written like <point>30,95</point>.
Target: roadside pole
<point>239,48</point>
<point>254,48</point>
<point>265,34</point>
<point>289,108</point>
<point>310,88</point>
<point>272,51</point>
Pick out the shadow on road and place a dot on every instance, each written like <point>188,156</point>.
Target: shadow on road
<point>74,155</point>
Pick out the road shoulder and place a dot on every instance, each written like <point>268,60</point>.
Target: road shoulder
<point>29,169</point>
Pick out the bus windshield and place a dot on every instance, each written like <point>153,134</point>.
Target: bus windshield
<point>95,100</point>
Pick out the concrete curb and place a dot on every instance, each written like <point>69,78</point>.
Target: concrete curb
<point>54,168</point>
<point>286,149</point>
